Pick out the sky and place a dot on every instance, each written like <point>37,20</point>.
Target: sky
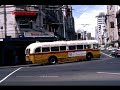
<point>86,14</point>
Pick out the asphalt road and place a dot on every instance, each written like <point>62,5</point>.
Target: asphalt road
<point>100,72</point>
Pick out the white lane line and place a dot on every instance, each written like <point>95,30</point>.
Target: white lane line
<point>10,74</point>
<point>107,55</point>
<point>107,73</point>
<point>44,76</point>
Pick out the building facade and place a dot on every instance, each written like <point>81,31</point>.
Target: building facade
<point>118,26</point>
<point>96,33</point>
<point>111,25</point>
<point>69,25</point>
<point>100,28</point>
<point>35,21</point>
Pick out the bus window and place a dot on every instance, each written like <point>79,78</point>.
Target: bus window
<point>71,47</point>
<point>45,49</point>
<point>27,51</point>
<point>88,46</point>
<point>79,46</point>
<point>37,50</point>
<point>62,48</point>
<point>95,46</point>
<point>54,48</point>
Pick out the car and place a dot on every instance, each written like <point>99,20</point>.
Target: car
<point>109,48</point>
<point>102,48</point>
<point>113,51</point>
<point>117,53</point>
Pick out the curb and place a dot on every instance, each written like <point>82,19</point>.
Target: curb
<point>28,65</point>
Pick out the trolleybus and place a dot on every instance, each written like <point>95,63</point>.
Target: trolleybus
<point>61,51</point>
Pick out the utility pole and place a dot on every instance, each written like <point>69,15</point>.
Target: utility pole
<point>5,25</point>
<point>64,24</point>
<point>39,17</point>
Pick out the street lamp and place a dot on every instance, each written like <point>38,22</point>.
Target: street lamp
<point>64,26</point>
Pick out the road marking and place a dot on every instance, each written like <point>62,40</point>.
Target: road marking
<point>108,73</point>
<point>107,55</point>
<point>44,76</point>
<point>10,74</point>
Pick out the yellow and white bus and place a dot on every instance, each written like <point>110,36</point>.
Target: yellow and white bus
<point>61,51</point>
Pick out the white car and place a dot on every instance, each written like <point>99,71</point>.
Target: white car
<point>110,48</point>
<point>102,48</point>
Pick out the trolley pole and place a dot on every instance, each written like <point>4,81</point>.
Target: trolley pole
<point>39,16</point>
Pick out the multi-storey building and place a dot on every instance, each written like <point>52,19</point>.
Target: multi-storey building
<point>69,25</point>
<point>111,25</point>
<point>118,25</point>
<point>88,36</point>
<point>36,21</point>
<point>25,24</point>
<point>96,33</point>
<point>100,27</point>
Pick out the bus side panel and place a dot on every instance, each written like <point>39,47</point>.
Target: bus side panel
<point>30,57</point>
<point>62,57</point>
<point>41,58</point>
<point>81,58</point>
<point>77,55</point>
<point>96,53</point>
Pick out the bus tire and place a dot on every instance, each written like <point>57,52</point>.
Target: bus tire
<point>52,60</point>
<point>89,56</point>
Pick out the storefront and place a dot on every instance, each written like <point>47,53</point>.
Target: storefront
<point>12,50</point>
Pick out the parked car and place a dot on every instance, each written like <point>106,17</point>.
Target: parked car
<point>102,48</point>
<point>117,53</point>
<point>113,51</point>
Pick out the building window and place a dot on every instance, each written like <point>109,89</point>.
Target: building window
<point>99,27</point>
<point>111,7</point>
<point>24,24</point>
<point>112,24</point>
<point>100,23</point>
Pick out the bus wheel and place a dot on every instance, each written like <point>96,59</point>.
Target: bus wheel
<point>52,60</point>
<point>88,56</point>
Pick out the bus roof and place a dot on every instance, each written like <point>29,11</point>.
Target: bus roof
<point>82,42</point>
<point>61,43</point>
<point>46,44</point>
